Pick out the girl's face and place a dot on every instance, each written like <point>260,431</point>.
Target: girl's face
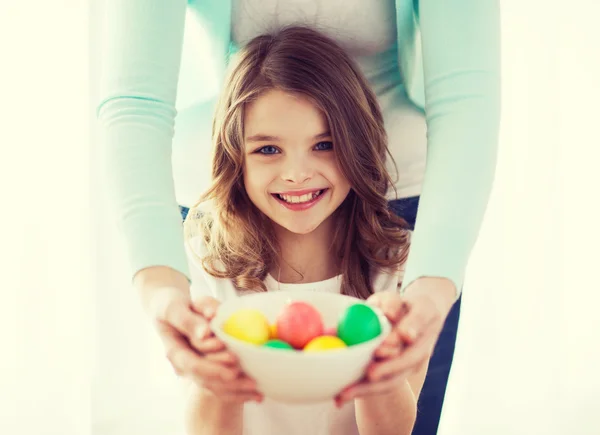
<point>291,173</point>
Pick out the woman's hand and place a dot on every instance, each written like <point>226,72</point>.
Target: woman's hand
<point>191,347</point>
<point>417,318</point>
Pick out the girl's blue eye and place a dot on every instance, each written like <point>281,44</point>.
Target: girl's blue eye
<point>324,146</point>
<point>269,149</point>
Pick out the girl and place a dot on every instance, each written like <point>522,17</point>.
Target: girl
<point>298,200</point>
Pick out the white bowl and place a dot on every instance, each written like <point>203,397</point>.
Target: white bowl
<point>298,377</point>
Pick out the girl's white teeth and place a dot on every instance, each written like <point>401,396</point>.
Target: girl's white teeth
<point>295,199</point>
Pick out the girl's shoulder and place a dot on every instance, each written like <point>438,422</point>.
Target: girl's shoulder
<point>203,283</point>
<point>196,246</point>
<point>388,279</point>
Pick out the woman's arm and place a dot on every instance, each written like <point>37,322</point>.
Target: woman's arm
<point>461,61</point>
<point>393,413</point>
<point>142,51</point>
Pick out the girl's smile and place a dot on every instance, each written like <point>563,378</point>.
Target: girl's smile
<point>300,200</point>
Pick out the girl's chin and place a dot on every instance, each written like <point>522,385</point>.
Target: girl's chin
<point>297,229</point>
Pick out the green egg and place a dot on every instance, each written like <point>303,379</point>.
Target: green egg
<point>359,323</point>
<point>278,344</point>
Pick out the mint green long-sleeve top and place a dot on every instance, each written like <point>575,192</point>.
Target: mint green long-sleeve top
<point>449,61</point>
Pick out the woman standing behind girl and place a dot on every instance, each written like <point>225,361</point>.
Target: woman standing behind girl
<point>298,200</point>
<point>434,66</point>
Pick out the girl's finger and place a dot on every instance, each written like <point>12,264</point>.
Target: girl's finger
<point>237,397</point>
<point>209,345</point>
<point>223,357</point>
<point>239,390</point>
<point>364,389</point>
<point>240,385</point>
<point>392,341</point>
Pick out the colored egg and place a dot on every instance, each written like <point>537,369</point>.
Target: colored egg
<point>298,323</point>
<point>278,344</point>
<point>330,331</point>
<point>273,331</point>
<point>323,343</point>
<point>248,325</point>
<point>358,323</point>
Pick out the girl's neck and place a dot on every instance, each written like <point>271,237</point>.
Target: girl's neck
<point>306,257</point>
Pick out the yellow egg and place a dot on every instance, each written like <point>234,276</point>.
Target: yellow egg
<point>324,342</point>
<point>273,331</point>
<point>248,325</point>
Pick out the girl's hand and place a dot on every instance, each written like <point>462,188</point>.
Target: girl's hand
<point>417,319</point>
<point>191,347</point>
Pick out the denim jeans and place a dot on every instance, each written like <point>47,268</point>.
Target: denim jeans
<point>434,388</point>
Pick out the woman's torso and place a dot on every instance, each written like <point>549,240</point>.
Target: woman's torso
<point>368,31</point>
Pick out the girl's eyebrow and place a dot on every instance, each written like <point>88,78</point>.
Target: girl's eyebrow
<point>262,138</point>
<point>266,138</point>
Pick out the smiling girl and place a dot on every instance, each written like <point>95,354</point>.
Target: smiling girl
<point>298,200</point>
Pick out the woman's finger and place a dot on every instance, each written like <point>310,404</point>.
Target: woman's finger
<point>416,320</point>
<point>410,358</point>
<point>206,306</point>
<point>188,363</point>
<point>390,303</point>
<point>388,351</point>
<point>175,310</point>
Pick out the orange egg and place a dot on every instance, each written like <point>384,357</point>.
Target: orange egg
<point>273,331</point>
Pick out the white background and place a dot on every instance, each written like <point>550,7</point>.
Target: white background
<point>76,354</point>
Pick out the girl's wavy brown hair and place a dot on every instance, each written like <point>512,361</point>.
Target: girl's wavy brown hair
<point>240,240</point>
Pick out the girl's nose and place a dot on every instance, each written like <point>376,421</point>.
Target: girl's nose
<point>297,170</point>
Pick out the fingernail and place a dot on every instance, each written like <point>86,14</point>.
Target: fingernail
<point>209,311</point>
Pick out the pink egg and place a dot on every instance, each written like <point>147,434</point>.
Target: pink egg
<point>298,323</point>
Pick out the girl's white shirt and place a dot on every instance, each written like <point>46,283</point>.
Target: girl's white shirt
<point>271,417</point>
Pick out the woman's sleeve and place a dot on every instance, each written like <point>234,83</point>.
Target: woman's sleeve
<point>142,46</point>
<point>461,62</point>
